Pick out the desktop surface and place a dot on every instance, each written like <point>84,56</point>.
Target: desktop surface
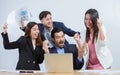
<point>105,72</point>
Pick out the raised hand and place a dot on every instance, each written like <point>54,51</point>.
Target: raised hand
<point>99,23</point>
<point>22,24</point>
<point>45,46</point>
<point>77,37</point>
<point>4,28</point>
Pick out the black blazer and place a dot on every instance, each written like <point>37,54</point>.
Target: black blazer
<point>71,48</point>
<point>29,58</point>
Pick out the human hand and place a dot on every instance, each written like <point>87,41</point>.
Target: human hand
<point>77,37</point>
<point>84,45</point>
<point>99,23</point>
<point>45,46</point>
<point>4,27</point>
<point>22,24</point>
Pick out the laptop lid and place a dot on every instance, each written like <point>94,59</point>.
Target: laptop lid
<point>59,62</point>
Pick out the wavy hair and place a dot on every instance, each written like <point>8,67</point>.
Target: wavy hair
<point>93,16</point>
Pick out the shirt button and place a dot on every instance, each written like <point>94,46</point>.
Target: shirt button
<point>28,61</point>
<point>33,62</point>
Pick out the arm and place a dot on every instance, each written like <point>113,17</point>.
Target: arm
<point>80,47</point>
<point>22,26</point>
<point>6,43</point>
<point>102,36</point>
<point>78,62</point>
<point>40,55</point>
<point>66,30</point>
<point>45,46</point>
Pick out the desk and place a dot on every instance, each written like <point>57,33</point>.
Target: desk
<point>113,72</point>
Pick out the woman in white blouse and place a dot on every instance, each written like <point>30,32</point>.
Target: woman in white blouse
<point>94,48</point>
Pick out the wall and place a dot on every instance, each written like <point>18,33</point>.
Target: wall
<point>71,12</point>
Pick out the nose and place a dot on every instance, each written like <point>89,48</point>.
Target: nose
<point>62,39</point>
<point>50,20</point>
<point>87,21</point>
<point>37,31</point>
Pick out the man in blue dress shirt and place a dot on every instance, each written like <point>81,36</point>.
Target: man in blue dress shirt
<point>58,38</point>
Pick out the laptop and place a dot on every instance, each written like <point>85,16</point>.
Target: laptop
<point>59,62</point>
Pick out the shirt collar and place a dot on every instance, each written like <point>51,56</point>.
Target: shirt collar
<point>46,30</point>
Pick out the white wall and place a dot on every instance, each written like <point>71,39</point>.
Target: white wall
<point>71,12</point>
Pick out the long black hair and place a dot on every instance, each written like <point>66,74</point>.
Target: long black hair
<point>93,16</point>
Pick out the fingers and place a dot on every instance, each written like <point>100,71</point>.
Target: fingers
<point>76,37</point>
<point>46,50</point>
<point>4,27</point>
<point>21,24</point>
<point>99,23</point>
<point>45,46</point>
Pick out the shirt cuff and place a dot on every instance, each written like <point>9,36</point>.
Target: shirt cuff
<point>22,28</point>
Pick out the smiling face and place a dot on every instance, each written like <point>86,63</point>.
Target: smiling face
<point>34,32</point>
<point>47,21</point>
<point>88,21</point>
<point>59,39</point>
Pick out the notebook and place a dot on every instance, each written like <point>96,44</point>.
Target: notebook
<point>59,62</point>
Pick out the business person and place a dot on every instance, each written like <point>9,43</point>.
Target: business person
<point>31,53</point>
<point>97,54</point>
<point>47,25</point>
<point>58,38</point>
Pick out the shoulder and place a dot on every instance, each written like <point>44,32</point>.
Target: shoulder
<point>52,50</point>
<point>58,23</point>
<point>21,38</point>
<point>41,27</point>
<point>71,47</point>
<point>40,24</point>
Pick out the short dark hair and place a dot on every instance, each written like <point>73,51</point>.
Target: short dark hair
<point>43,14</point>
<point>55,30</point>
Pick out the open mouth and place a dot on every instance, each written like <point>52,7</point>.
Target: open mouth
<point>36,35</point>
